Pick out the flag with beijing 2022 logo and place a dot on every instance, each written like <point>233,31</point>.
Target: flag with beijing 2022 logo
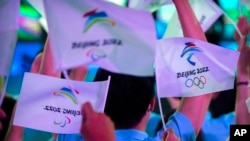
<point>115,38</point>
<point>55,106</point>
<point>188,67</point>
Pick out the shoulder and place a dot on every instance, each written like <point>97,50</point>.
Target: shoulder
<point>182,127</point>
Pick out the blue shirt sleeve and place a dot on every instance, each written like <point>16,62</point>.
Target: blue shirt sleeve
<point>182,127</point>
<point>69,137</point>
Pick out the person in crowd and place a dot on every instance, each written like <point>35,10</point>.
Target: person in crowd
<point>243,73</point>
<point>130,99</point>
<point>42,64</point>
<point>229,107</point>
<point>237,113</point>
<point>103,129</point>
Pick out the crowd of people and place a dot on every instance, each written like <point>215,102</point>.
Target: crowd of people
<point>131,99</point>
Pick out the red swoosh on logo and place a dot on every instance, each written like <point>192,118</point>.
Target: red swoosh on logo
<point>90,12</point>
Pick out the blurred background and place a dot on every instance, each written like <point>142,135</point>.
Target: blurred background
<point>32,35</point>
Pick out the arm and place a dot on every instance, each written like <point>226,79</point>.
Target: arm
<point>47,63</point>
<point>192,29</point>
<point>36,63</point>
<point>243,74</point>
<point>174,102</point>
<point>79,73</point>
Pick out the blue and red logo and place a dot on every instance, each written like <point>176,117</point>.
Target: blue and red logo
<point>66,121</point>
<point>189,51</point>
<point>95,54</point>
<point>94,17</point>
<point>67,92</point>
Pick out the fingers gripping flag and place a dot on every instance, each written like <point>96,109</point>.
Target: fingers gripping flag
<point>9,10</point>
<point>206,11</point>
<point>118,39</point>
<point>187,67</point>
<point>54,106</point>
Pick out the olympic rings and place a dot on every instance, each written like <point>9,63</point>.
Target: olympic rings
<point>196,82</point>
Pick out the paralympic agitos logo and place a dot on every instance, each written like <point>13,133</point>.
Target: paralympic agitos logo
<point>70,96</point>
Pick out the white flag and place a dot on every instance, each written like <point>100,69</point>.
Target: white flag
<point>8,43</point>
<point>150,5</point>
<point>50,104</point>
<point>116,38</point>
<point>206,11</point>
<point>188,67</point>
<point>9,11</point>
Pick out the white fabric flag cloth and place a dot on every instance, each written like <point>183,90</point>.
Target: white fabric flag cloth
<point>116,38</point>
<point>8,42</point>
<point>150,5</point>
<point>206,11</point>
<point>9,11</point>
<point>187,67</point>
<point>50,104</point>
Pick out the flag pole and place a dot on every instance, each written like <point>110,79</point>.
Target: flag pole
<point>161,113</point>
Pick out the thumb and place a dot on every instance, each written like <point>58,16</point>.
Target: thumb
<point>87,110</point>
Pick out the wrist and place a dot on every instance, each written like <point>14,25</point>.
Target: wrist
<point>242,83</point>
<point>242,76</point>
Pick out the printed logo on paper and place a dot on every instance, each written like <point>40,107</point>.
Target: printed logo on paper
<point>95,54</point>
<point>94,17</point>
<point>188,52</point>
<point>196,82</point>
<point>63,123</point>
<point>67,93</point>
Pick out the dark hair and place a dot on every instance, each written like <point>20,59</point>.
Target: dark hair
<point>224,103</point>
<point>8,107</point>
<point>128,97</point>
